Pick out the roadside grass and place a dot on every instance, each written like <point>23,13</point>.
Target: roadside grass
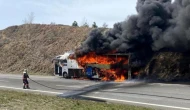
<point>14,100</point>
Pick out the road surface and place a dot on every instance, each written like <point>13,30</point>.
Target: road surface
<point>155,95</point>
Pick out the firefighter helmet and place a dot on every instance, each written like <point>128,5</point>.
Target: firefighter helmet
<point>25,71</point>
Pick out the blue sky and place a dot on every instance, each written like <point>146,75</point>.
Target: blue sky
<point>14,12</point>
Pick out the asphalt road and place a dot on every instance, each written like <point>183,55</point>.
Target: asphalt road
<point>155,95</point>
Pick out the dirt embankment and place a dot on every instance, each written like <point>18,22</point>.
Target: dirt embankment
<point>33,46</point>
<point>169,66</point>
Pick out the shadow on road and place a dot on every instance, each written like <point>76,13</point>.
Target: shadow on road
<point>100,87</point>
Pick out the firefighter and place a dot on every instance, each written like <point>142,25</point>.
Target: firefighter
<point>25,80</point>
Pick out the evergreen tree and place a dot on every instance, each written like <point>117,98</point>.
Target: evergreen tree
<point>75,24</point>
<point>94,25</point>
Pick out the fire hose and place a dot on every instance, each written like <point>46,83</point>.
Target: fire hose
<point>49,86</point>
<point>95,87</point>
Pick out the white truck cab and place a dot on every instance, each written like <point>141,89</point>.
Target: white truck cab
<point>67,67</point>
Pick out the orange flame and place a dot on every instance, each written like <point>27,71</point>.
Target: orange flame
<point>92,58</point>
<point>117,74</point>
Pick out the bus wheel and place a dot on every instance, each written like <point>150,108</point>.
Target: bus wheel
<point>65,75</point>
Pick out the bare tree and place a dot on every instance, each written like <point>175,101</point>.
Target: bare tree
<point>29,19</point>
<point>52,23</point>
<point>84,23</point>
<point>105,25</point>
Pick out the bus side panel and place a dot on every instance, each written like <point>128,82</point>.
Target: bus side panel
<point>75,73</point>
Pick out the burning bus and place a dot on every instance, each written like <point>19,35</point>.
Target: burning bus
<point>104,67</point>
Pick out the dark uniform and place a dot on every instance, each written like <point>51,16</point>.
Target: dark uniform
<point>25,81</point>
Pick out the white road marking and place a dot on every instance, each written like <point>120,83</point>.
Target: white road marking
<point>57,93</point>
<point>4,81</point>
<point>162,84</point>
<point>134,102</point>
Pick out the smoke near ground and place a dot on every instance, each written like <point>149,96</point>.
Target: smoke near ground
<point>159,24</point>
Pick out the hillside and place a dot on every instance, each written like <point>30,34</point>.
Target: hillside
<point>168,66</point>
<point>33,46</point>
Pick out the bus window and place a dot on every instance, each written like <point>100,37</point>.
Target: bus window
<point>63,61</point>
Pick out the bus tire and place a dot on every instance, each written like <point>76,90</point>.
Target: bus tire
<point>65,75</point>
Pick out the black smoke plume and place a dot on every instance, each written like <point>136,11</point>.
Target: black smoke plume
<point>159,24</point>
